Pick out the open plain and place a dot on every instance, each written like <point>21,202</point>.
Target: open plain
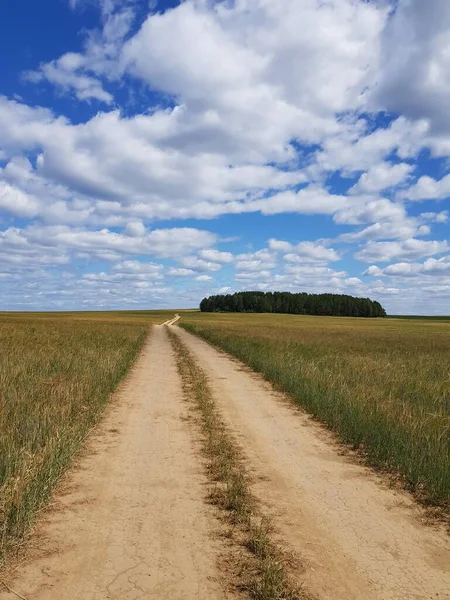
<point>135,516</point>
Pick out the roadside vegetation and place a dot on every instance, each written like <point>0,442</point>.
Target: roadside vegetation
<point>261,569</point>
<point>57,372</point>
<point>382,385</point>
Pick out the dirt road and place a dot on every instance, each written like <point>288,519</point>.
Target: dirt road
<point>131,522</point>
<point>358,539</point>
<point>171,322</point>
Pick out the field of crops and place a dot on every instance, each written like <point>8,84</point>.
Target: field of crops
<point>383,385</point>
<point>56,374</point>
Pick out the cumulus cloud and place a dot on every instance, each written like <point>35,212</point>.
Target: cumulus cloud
<point>195,263</point>
<point>216,256</point>
<point>16,202</point>
<point>370,210</point>
<point>313,271</point>
<point>249,265</point>
<point>54,244</point>
<point>381,177</point>
<point>360,147</point>
<point>84,73</point>
<point>135,229</point>
<point>432,267</point>
<point>306,252</point>
<point>285,67</point>
<point>409,249</point>
<point>138,267</point>
<point>253,276</point>
<point>414,78</point>
<point>388,230</point>
<point>428,188</point>
<point>180,272</point>
<point>64,73</point>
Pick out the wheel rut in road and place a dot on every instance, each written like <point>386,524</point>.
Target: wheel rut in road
<point>129,521</point>
<point>358,538</point>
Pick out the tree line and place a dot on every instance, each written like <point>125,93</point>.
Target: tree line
<point>337,305</point>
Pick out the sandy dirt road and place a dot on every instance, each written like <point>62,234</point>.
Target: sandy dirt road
<point>358,539</point>
<point>130,521</point>
<point>172,321</point>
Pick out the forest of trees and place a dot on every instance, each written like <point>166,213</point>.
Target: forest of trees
<point>337,305</point>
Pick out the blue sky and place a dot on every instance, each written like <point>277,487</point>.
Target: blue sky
<point>152,153</point>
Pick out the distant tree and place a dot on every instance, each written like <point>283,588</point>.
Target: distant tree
<point>339,305</point>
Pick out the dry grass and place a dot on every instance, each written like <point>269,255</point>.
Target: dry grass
<point>382,385</point>
<point>262,571</point>
<point>57,372</point>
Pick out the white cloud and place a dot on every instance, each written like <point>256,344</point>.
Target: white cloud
<point>359,148</point>
<point>409,249</point>
<point>199,264</point>
<point>135,229</point>
<point>249,265</point>
<point>308,201</point>
<point>436,217</point>
<point>216,256</point>
<point>369,210</point>
<point>57,244</point>
<point>415,64</point>
<point>203,278</point>
<point>284,66</point>
<point>278,81</point>
<point>63,73</point>
<point>137,267</point>
<point>397,229</point>
<point>428,188</point>
<point>263,256</point>
<point>126,166</point>
<point>381,177</point>
<point>304,252</point>
<point>431,267</point>
<point>353,281</point>
<point>83,73</point>
<point>180,272</point>
<point>312,271</point>
<point>159,242</point>
<point>253,276</point>
<point>16,202</point>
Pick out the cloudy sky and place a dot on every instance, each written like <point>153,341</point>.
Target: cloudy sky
<point>152,153</point>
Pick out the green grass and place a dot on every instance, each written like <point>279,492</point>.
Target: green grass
<point>57,372</point>
<point>382,385</point>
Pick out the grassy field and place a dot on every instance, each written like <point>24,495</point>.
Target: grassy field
<point>383,385</point>
<point>56,375</point>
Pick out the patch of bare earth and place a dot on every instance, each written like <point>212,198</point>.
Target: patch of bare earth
<point>358,538</point>
<point>130,521</point>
